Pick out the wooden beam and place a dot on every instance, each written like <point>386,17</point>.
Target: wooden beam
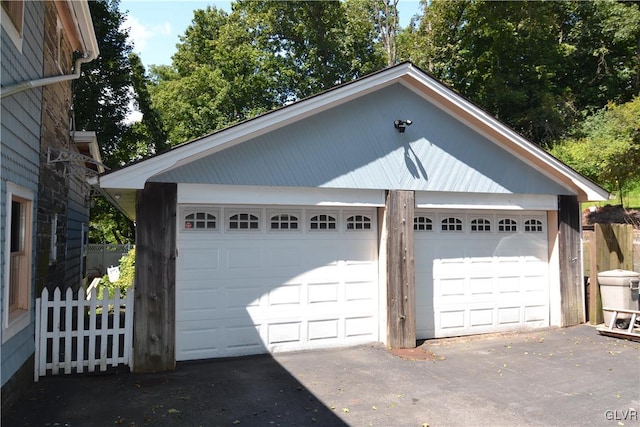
<point>401,321</point>
<point>596,315</point>
<point>154,307</point>
<point>569,245</point>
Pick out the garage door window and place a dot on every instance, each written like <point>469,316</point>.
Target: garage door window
<point>451,224</point>
<point>244,221</point>
<point>533,226</point>
<point>322,222</point>
<point>422,223</point>
<point>200,221</point>
<point>480,225</point>
<point>358,222</point>
<point>284,221</point>
<point>507,225</point>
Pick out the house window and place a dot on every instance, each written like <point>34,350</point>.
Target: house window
<point>358,222</point>
<point>533,226</point>
<point>422,223</point>
<point>284,221</point>
<point>507,225</point>
<point>200,221</point>
<point>18,251</point>
<point>322,222</point>
<point>244,221</point>
<point>13,20</point>
<point>480,224</point>
<point>451,224</point>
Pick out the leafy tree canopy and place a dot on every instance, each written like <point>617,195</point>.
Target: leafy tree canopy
<point>537,66</point>
<point>606,147</point>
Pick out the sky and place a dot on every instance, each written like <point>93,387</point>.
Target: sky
<point>155,25</point>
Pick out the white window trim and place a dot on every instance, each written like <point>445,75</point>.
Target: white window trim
<point>24,319</point>
<point>334,214</point>
<point>349,214</point>
<point>291,212</point>
<point>518,224</point>
<point>446,217</point>
<point>432,223</point>
<point>229,212</point>
<point>485,222</point>
<point>542,224</point>
<point>187,210</point>
<point>13,33</point>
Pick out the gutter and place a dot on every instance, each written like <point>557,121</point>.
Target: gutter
<point>84,25</point>
<point>32,84</point>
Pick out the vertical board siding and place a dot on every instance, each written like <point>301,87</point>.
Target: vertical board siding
<point>155,323</point>
<point>75,333</point>
<point>571,280</point>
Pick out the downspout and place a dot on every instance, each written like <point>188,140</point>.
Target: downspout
<point>31,84</point>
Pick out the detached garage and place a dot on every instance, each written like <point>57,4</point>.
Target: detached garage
<point>388,209</point>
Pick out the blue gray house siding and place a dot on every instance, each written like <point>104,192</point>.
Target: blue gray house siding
<point>355,145</point>
<point>20,138</point>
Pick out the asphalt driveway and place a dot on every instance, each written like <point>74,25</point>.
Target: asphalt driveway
<point>570,376</point>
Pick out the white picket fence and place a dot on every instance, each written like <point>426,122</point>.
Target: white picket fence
<point>79,333</point>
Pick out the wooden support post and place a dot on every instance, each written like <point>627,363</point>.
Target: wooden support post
<point>154,306</point>
<point>401,321</point>
<point>595,301</point>
<point>571,279</point>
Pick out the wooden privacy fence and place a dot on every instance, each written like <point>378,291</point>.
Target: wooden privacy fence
<point>80,333</point>
<point>608,247</point>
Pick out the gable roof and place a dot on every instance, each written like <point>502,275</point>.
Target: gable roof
<point>125,181</point>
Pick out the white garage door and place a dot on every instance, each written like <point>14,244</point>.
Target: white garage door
<point>255,280</point>
<point>480,272</point>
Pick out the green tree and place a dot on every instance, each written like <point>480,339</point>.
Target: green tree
<point>502,55</point>
<point>264,54</point>
<point>537,66</point>
<point>606,147</point>
<point>604,62</point>
<point>108,86</point>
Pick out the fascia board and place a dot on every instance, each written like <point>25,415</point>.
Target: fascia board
<point>136,175</point>
<point>524,149</point>
<point>82,18</point>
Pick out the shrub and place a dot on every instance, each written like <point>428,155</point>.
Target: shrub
<point>125,281</point>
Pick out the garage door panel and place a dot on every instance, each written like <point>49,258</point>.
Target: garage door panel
<point>243,258</point>
<point>206,334</point>
<point>509,315</point>
<point>284,257</point>
<point>359,291</point>
<point>287,295</point>
<point>289,332</point>
<point>481,287</point>
<point>450,319</point>
<point>325,329</point>
<point>199,260</point>
<point>323,293</point>
<point>480,281</point>
<point>481,317</point>
<point>280,290</point>
<point>536,314</point>
<point>363,326</point>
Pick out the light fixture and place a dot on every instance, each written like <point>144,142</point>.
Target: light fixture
<point>401,125</point>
